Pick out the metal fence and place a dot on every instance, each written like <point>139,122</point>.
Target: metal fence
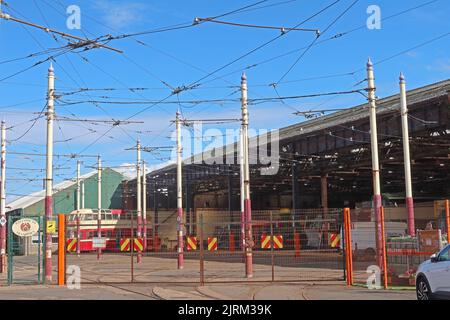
<point>403,253</point>
<point>301,245</point>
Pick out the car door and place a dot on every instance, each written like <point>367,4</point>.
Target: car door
<point>439,272</point>
<point>444,275</point>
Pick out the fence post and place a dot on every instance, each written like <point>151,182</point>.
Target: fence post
<point>132,248</point>
<point>272,257</point>
<point>61,250</point>
<point>297,244</point>
<point>383,240</point>
<point>202,266</point>
<point>348,246</point>
<point>231,241</point>
<point>447,219</point>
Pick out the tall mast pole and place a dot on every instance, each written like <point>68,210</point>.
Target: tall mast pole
<point>138,198</point>
<point>49,173</point>
<point>377,200</point>
<point>406,155</point>
<point>99,203</point>
<point>78,185</point>
<point>247,201</point>
<point>241,176</point>
<point>179,194</point>
<point>144,204</point>
<point>3,200</point>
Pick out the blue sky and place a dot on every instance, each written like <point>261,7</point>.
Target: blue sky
<point>181,57</point>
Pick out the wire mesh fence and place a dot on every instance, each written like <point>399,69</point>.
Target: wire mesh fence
<point>403,253</point>
<point>301,245</point>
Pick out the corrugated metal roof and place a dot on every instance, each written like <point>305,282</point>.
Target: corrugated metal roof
<point>26,201</point>
<point>387,104</point>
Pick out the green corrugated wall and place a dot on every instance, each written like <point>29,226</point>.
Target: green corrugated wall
<point>65,201</point>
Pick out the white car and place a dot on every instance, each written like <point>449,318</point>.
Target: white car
<point>433,277</point>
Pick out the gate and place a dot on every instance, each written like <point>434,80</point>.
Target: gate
<point>25,254</point>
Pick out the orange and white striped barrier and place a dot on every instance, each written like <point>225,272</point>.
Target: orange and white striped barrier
<point>335,240</point>
<point>138,244</point>
<point>72,245</point>
<point>125,244</point>
<point>212,244</point>
<point>191,243</point>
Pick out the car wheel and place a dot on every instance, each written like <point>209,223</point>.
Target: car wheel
<point>423,289</point>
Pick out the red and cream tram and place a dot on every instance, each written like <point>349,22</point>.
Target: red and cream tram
<point>115,225</point>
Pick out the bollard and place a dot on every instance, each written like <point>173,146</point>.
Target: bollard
<point>61,250</point>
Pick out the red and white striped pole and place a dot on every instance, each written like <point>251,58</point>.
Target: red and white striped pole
<point>3,200</point>
<point>78,206</point>
<point>78,236</point>
<point>241,166</point>
<point>49,173</point>
<point>99,204</point>
<point>406,157</point>
<point>377,200</point>
<point>247,201</point>
<point>138,199</point>
<point>144,204</point>
<point>179,194</point>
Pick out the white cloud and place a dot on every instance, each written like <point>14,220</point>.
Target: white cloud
<point>441,65</point>
<point>121,14</point>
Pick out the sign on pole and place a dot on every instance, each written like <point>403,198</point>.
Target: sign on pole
<point>51,226</point>
<point>25,227</point>
<point>98,243</point>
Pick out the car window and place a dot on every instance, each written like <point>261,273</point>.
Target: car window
<point>444,255</point>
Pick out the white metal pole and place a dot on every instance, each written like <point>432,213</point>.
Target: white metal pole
<point>406,155</point>
<point>49,173</point>
<point>179,194</point>
<point>82,195</point>
<point>99,203</point>
<point>3,200</point>
<point>138,198</point>
<point>377,200</point>
<point>144,204</point>
<point>78,185</point>
<point>247,201</point>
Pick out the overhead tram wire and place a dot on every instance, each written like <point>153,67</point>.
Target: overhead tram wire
<point>261,46</point>
<point>282,29</point>
<point>336,36</point>
<point>53,59</point>
<point>247,8</point>
<point>229,100</point>
<point>32,125</point>
<point>183,25</point>
<point>316,39</point>
<point>81,41</point>
<point>76,71</point>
